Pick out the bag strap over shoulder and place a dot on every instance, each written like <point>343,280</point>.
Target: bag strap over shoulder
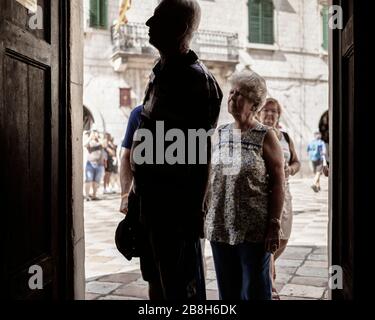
<point>286,136</point>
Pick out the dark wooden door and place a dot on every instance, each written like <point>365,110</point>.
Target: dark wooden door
<point>343,103</point>
<point>31,233</point>
<point>351,93</point>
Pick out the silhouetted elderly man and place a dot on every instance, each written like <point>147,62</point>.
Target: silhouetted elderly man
<point>183,95</point>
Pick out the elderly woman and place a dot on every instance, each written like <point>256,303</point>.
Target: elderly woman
<point>243,220</point>
<point>270,115</point>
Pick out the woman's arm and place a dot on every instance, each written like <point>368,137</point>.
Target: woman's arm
<point>294,164</point>
<point>110,151</point>
<point>274,160</point>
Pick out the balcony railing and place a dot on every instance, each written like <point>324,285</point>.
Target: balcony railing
<point>217,46</point>
<point>133,38</point>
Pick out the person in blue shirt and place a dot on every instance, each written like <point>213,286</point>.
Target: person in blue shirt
<point>126,174</point>
<point>317,154</point>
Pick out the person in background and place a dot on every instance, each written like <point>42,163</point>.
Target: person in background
<point>269,115</point>
<point>111,163</point>
<point>324,131</point>
<point>85,139</point>
<point>115,177</point>
<point>96,160</point>
<point>317,152</point>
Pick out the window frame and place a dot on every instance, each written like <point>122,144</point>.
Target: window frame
<point>262,44</point>
<point>324,29</point>
<point>98,16</point>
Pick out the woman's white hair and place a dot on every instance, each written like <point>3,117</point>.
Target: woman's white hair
<point>252,85</point>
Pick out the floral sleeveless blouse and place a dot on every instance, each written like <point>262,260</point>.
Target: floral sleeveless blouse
<point>238,208</point>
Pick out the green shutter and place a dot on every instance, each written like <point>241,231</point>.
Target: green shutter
<point>94,13</point>
<point>99,13</point>
<point>267,22</point>
<point>254,21</point>
<point>325,27</point>
<point>104,13</point>
<point>261,26</point>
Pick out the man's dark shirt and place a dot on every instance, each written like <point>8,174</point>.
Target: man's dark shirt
<point>184,95</point>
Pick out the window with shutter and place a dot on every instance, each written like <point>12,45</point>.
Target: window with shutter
<point>104,13</point>
<point>261,25</point>
<point>99,13</point>
<point>325,27</point>
<point>94,10</point>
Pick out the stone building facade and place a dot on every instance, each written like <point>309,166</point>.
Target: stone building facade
<point>283,40</point>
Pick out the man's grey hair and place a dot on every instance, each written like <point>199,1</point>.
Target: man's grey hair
<point>252,85</point>
<point>189,11</point>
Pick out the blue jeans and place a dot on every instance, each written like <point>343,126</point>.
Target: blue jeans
<point>242,271</point>
<point>94,172</point>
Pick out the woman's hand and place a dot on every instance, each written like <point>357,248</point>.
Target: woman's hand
<point>272,241</point>
<point>287,171</point>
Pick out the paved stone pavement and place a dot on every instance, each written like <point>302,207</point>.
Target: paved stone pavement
<point>302,270</point>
